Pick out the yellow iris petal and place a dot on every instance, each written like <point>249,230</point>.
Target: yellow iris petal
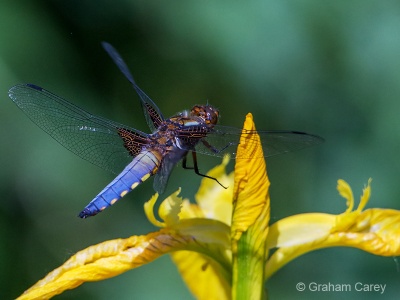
<point>111,258</point>
<point>214,201</point>
<point>149,211</point>
<point>299,229</point>
<point>376,231</point>
<point>168,211</point>
<point>105,260</point>
<point>345,191</point>
<point>170,208</point>
<point>250,219</point>
<point>206,275</point>
<point>365,196</point>
<point>202,275</point>
<point>251,182</point>
<point>190,210</point>
<point>296,235</point>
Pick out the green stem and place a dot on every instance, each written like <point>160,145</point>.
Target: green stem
<point>249,261</point>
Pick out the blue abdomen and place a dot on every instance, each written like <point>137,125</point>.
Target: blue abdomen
<point>142,167</point>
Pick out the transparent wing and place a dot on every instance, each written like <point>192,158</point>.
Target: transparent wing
<point>93,138</point>
<point>151,112</point>
<point>168,163</point>
<point>222,140</point>
<point>163,174</point>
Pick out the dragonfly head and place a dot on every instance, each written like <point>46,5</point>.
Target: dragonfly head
<point>206,112</point>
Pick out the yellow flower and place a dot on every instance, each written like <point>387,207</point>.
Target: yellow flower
<point>220,244</point>
<point>375,230</point>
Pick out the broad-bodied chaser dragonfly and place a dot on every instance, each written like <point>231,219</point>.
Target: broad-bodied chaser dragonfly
<point>115,147</point>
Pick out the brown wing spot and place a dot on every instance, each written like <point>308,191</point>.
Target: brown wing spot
<point>133,142</point>
<point>155,118</point>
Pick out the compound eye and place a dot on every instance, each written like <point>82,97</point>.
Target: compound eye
<point>212,115</point>
<point>208,113</point>
<point>214,119</point>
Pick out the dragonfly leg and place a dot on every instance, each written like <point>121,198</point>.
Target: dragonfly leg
<point>212,148</point>
<point>184,162</point>
<point>196,169</point>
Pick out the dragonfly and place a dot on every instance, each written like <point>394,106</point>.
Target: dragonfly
<point>134,155</point>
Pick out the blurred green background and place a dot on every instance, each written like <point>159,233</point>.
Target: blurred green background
<point>332,69</point>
